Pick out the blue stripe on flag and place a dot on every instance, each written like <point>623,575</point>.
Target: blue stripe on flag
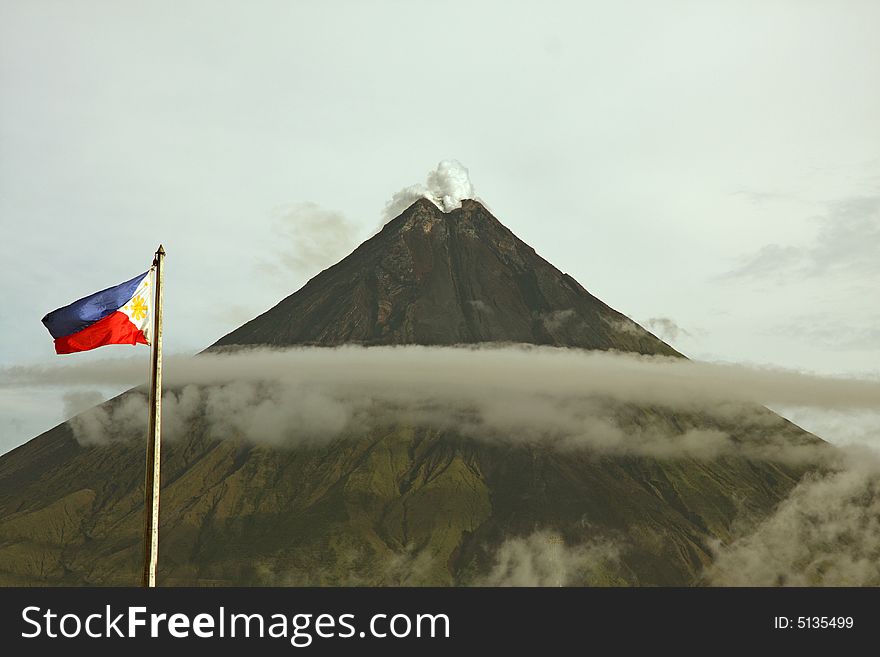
<point>88,310</point>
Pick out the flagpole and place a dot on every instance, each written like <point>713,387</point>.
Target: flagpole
<point>154,441</point>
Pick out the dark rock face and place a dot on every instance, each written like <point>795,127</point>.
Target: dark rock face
<point>434,278</point>
<point>401,504</point>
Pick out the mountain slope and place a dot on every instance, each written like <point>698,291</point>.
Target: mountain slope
<point>436,278</point>
<point>397,503</point>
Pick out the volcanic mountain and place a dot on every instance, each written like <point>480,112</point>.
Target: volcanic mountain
<point>433,278</point>
<point>404,504</point>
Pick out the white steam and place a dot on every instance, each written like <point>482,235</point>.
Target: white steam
<point>446,187</point>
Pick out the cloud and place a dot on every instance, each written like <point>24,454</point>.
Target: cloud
<point>666,329</point>
<point>274,413</point>
<point>126,416</point>
<point>571,399</point>
<point>446,187</point>
<point>544,559</point>
<point>770,259</point>
<point>120,419</point>
<point>826,533</point>
<point>310,238</point>
<point>833,332</point>
<point>555,320</point>
<point>480,306</point>
<point>847,243</point>
<point>626,325</point>
<point>457,371</point>
<point>847,427</point>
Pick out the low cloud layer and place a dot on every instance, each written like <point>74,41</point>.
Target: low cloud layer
<point>446,187</point>
<point>601,400</point>
<point>462,371</point>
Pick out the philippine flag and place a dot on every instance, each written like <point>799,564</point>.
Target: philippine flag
<point>117,315</point>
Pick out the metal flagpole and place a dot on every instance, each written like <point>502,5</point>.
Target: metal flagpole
<point>154,442</point>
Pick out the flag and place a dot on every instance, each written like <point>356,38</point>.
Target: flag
<point>117,315</point>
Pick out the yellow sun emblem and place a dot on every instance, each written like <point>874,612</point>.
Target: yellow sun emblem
<point>137,308</point>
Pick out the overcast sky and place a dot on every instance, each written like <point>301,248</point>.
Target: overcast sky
<point>711,166</point>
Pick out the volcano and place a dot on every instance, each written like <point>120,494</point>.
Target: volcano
<point>433,278</point>
<point>406,504</point>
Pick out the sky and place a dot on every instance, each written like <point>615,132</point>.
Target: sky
<point>709,169</point>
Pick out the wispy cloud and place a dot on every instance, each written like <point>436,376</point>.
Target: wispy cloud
<point>847,243</point>
<point>543,558</point>
<point>666,328</point>
<point>834,333</point>
<point>309,238</point>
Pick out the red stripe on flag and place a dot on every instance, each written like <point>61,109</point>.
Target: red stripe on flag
<point>113,329</point>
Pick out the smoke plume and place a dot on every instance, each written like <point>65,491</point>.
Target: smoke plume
<point>446,187</point>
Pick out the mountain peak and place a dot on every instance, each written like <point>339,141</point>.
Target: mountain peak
<point>439,278</point>
<point>425,212</point>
